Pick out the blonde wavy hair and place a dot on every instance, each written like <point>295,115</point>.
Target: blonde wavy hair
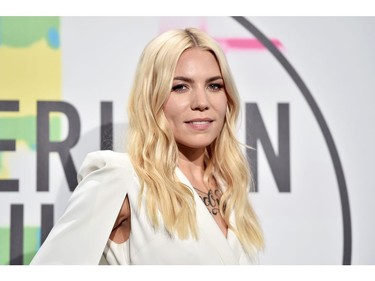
<point>153,150</point>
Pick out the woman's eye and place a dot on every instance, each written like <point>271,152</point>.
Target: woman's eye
<point>216,86</point>
<point>179,88</point>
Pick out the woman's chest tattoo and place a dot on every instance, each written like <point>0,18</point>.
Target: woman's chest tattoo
<point>211,199</point>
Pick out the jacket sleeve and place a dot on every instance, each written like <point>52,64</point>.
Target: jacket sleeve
<point>80,235</point>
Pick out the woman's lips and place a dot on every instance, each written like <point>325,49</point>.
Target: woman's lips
<point>199,124</point>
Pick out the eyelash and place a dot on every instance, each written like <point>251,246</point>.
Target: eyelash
<point>179,88</point>
<point>216,86</point>
<point>213,86</point>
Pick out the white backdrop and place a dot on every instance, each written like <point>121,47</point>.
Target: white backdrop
<point>332,57</point>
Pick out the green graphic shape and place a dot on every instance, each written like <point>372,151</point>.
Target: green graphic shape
<point>23,129</point>
<point>4,245</point>
<point>31,243</point>
<point>21,32</point>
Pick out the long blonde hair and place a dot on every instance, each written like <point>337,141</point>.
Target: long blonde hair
<point>153,150</point>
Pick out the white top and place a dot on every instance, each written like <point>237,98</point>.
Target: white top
<point>80,236</point>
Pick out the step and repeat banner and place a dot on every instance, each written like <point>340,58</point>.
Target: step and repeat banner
<point>308,97</point>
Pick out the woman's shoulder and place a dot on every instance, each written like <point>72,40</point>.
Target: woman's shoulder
<point>108,157</point>
<point>105,159</point>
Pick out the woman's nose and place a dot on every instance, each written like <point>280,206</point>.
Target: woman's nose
<point>200,100</point>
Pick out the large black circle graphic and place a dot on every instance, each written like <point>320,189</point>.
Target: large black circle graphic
<point>347,252</point>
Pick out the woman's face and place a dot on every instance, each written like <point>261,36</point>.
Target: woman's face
<point>197,104</point>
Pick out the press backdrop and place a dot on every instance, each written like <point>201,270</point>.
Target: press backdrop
<point>308,95</point>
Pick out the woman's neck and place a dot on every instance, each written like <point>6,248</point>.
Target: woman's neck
<point>192,165</point>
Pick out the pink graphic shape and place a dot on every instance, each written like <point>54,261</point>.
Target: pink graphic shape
<point>230,43</point>
<point>245,44</point>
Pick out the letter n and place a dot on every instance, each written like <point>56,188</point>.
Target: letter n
<point>256,131</point>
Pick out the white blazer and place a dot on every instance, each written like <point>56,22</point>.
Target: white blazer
<point>81,235</point>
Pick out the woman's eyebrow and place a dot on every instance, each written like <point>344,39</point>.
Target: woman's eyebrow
<point>189,80</point>
<point>183,78</point>
<point>214,78</point>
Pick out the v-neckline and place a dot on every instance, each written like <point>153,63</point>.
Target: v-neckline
<point>228,246</point>
<point>200,203</point>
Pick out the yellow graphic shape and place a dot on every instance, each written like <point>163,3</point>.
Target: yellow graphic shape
<point>28,75</point>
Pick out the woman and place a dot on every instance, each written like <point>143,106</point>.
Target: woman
<point>180,194</point>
